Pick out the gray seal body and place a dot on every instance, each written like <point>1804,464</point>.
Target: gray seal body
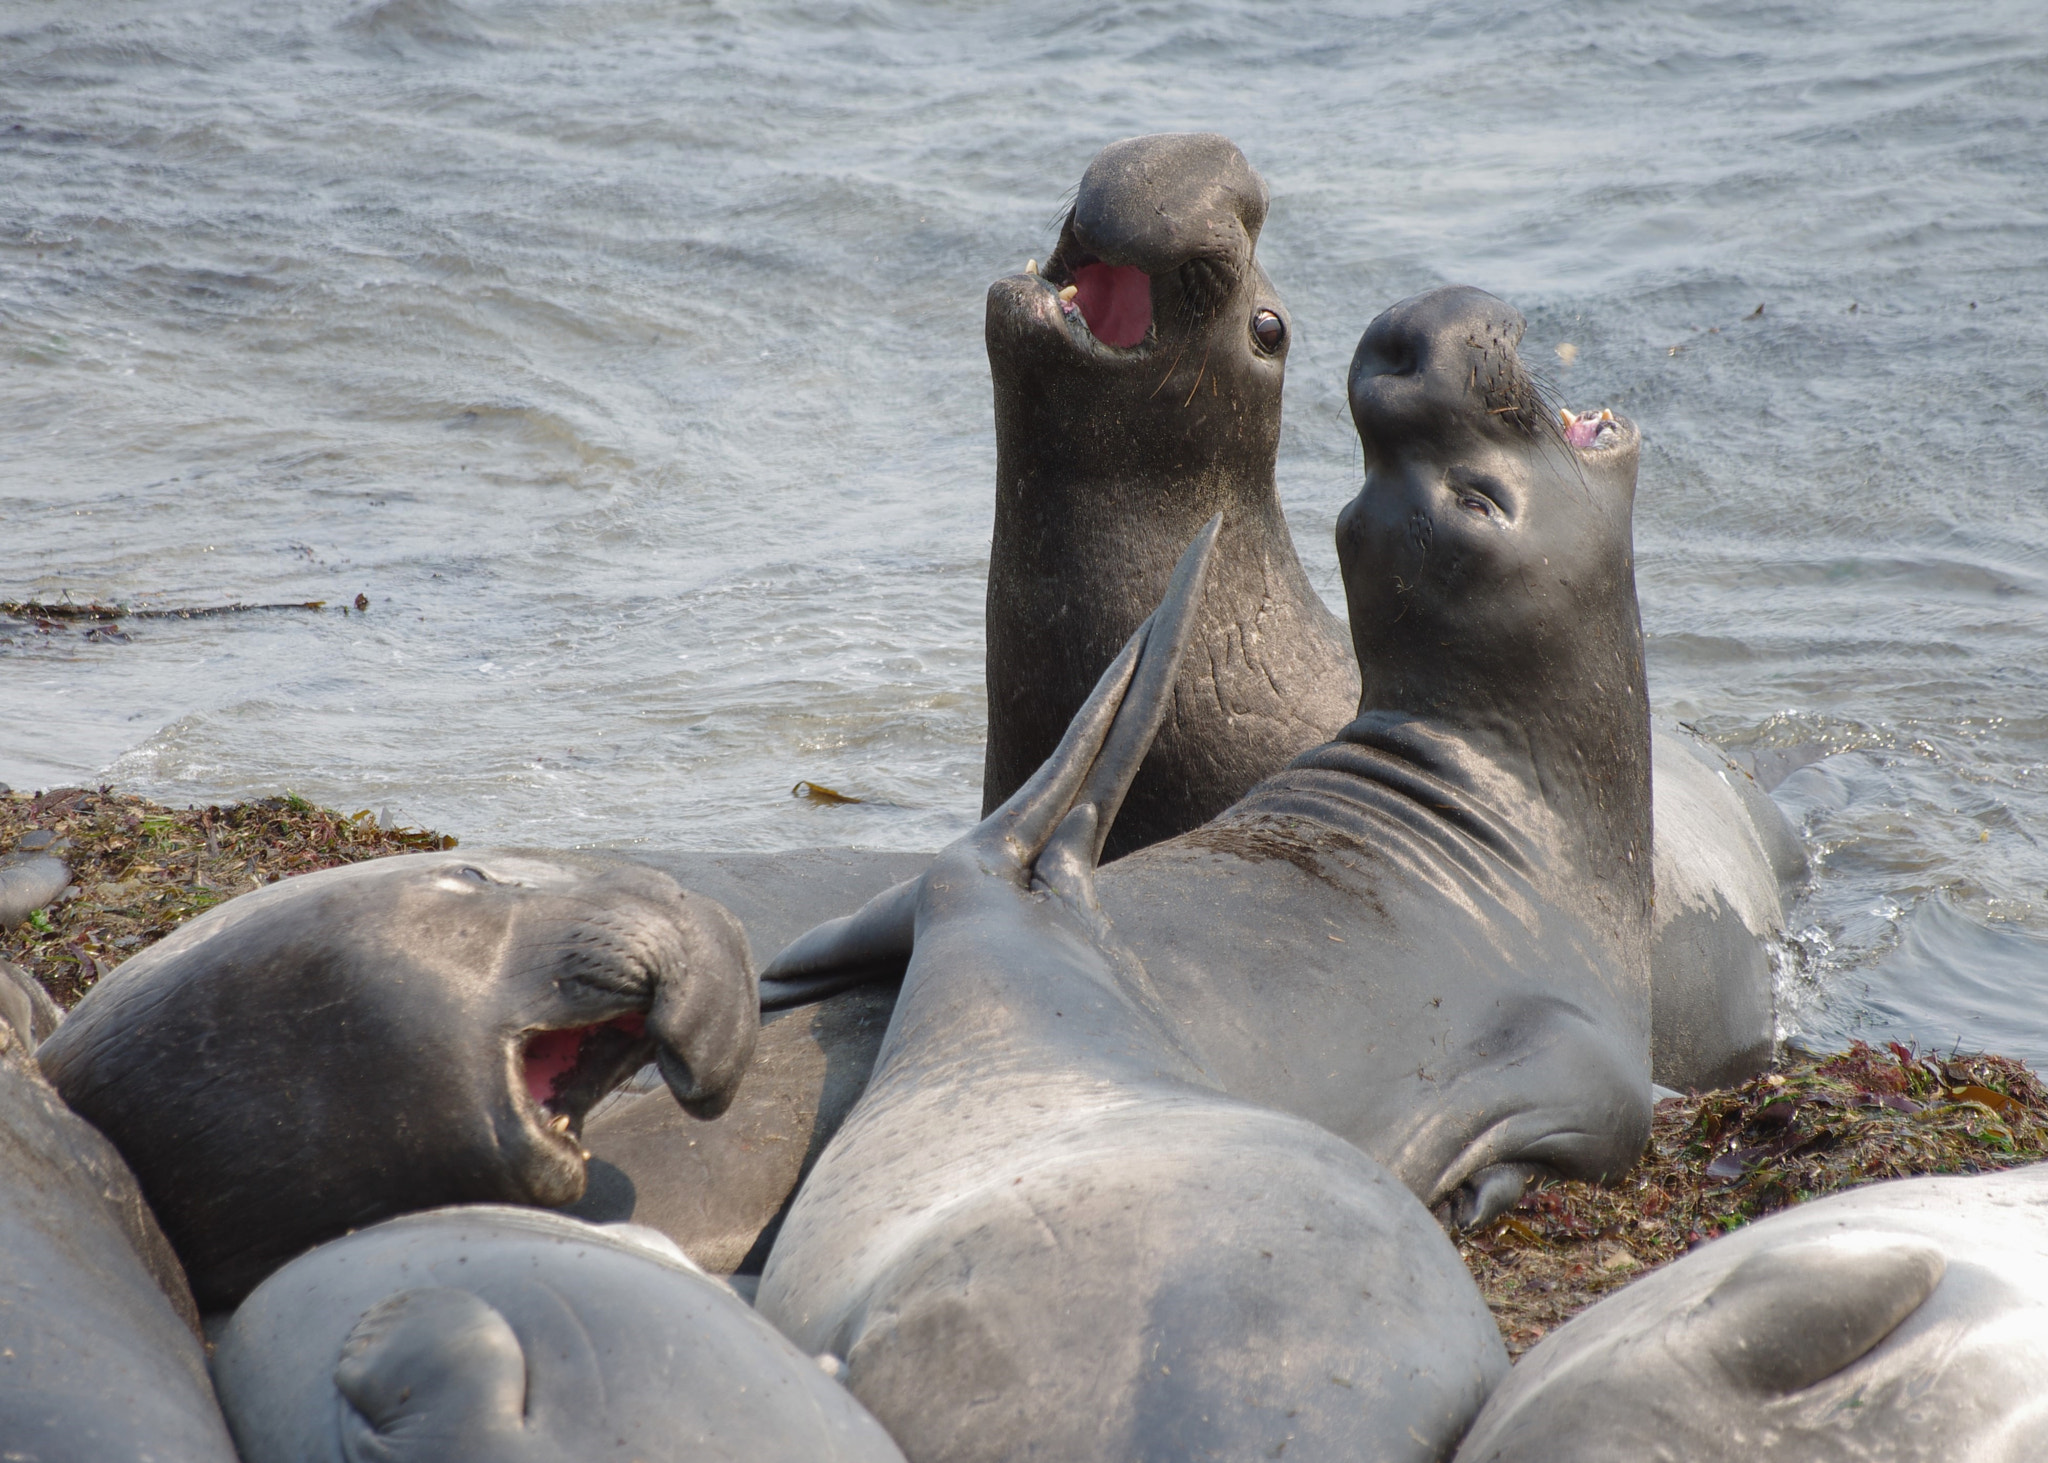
<point>1108,456</point>
<point>486,1334</point>
<point>1431,934</point>
<point>100,1354</point>
<point>1043,1233</point>
<point>395,1035</point>
<point>1905,1322</point>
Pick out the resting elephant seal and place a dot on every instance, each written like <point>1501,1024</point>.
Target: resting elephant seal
<point>100,1356</point>
<point>1114,440</point>
<point>485,1334</point>
<point>1431,934</point>
<point>1906,1322</point>
<point>1043,1233</point>
<point>396,1035</point>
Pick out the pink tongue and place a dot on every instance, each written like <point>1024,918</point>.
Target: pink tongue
<point>551,1055</point>
<point>1115,302</point>
<point>1582,432</point>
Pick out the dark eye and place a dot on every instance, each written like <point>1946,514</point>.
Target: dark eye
<point>1269,330</point>
<point>474,874</point>
<point>1476,504</point>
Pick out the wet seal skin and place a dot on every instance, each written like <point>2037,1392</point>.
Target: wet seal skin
<point>1043,1233</point>
<point>100,1354</point>
<point>1128,413</point>
<point>1431,934</point>
<point>396,1035</point>
<point>485,1334</point>
<point>1904,1322</point>
<point>1137,392</point>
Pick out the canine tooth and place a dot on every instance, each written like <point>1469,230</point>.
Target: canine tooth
<point>560,1124</point>
<point>1031,266</point>
<point>1566,416</point>
<point>586,1154</point>
<point>1606,415</point>
<point>1070,291</point>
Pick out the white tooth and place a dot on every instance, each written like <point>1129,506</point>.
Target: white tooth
<point>586,1154</point>
<point>1031,266</point>
<point>1070,291</point>
<point>1566,416</point>
<point>1606,415</point>
<point>560,1124</point>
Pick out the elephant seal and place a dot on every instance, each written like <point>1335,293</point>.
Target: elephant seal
<point>1905,1322</point>
<point>486,1334</point>
<point>396,1035</point>
<point>28,881</point>
<point>1042,1233</point>
<point>100,1354</point>
<point>1127,413</point>
<point>1431,934</point>
<point>1110,450</point>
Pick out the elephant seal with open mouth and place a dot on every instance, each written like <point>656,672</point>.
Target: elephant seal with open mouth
<point>484,1334</point>
<point>396,1035</point>
<point>1137,391</point>
<point>1043,1233</point>
<point>1431,934</point>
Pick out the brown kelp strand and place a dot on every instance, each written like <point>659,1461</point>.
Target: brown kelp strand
<point>1716,1161</point>
<point>139,868</point>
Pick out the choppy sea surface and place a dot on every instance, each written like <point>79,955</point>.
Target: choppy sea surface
<point>627,357</point>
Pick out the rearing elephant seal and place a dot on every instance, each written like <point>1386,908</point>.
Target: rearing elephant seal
<point>395,1035</point>
<point>1431,934</point>
<point>1127,414</point>
<point>1044,1234</point>
<point>1137,392</point>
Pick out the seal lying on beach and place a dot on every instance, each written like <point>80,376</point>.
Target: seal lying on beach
<point>396,1035</point>
<point>484,1334</point>
<point>1431,935</point>
<point>1129,412</point>
<point>1905,1322</point>
<point>1042,1233</point>
<point>100,1355</point>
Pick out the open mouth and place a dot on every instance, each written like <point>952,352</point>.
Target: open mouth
<point>1590,430</point>
<point>567,1072</point>
<point>1112,302</point>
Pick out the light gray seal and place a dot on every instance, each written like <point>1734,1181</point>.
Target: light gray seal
<point>396,1035</point>
<point>1905,1322</point>
<point>486,1334</point>
<point>100,1354</point>
<point>1431,934</point>
<point>1043,1233</point>
<point>1127,414</point>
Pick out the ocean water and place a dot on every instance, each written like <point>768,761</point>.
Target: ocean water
<point>627,357</point>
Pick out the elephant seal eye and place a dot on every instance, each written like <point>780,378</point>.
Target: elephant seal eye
<point>1269,330</point>
<point>1477,504</point>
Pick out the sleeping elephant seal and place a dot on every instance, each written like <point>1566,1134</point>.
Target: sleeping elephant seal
<point>1431,934</point>
<point>1905,1322</point>
<point>1043,1233</point>
<point>396,1035</point>
<point>484,1334</point>
<point>100,1356</point>
<point>1137,392</point>
<point>1128,414</point>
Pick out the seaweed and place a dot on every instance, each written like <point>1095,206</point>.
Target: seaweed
<point>1818,1124</point>
<point>139,869</point>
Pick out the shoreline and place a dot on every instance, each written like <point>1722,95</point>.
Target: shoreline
<point>1817,1123</point>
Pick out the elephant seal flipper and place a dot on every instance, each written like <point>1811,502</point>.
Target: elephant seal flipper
<point>1042,1233</point>
<point>394,1035</point>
